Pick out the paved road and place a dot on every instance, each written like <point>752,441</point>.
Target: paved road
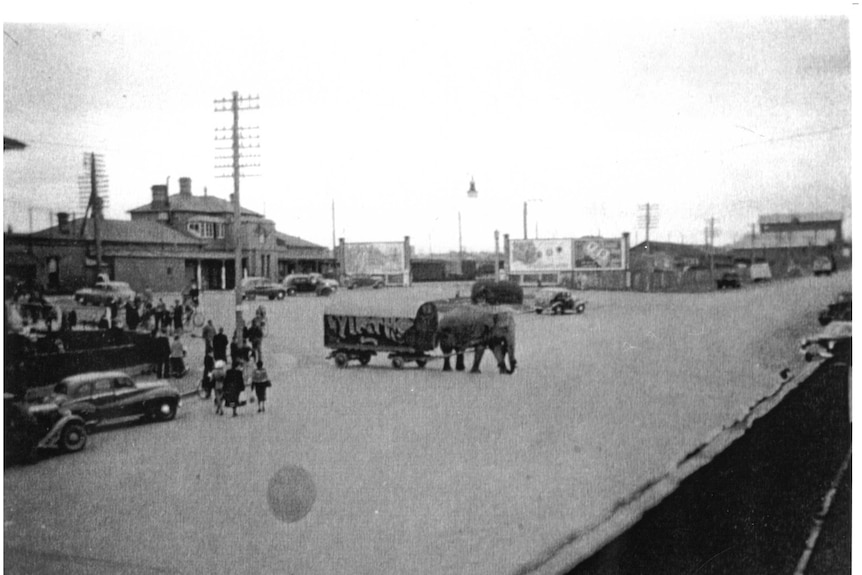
<point>376,470</point>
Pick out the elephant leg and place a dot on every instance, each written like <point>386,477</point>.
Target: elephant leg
<point>477,358</point>
<point>459,362</point>
<point>499,351</point>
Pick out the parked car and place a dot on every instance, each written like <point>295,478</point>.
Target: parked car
<point>253,287</point>
<point>760,272</point>
<point>728,280</point>
<point>355,281</point>
<point>104,395</point>
<point>105,293</point>
<point>31,427</point>
<point>497,292</point>
<point>823,266</point>
<point>306,283</point>
<point>558,300</point>
<point>323,280</point>
<point>839,310</point>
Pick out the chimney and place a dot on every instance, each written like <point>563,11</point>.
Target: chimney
<point>160,196</point>
<point>185,187</point>
<point>63,223</point>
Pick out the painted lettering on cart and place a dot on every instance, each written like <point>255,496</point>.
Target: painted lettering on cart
<point>351,326</point>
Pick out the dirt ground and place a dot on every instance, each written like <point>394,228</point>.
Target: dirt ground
<point>377,470</point>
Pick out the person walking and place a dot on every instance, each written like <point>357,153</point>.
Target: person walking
<point>178,354</point>
<point>178,316</point>
<point>218,377</point>
<point>159,316</point>
<point>259,383</point>
<point>162,353</point>
<point>220,344</point>
<point>255,335</point>
<point>234,386</point>
<point>206,379</point>
<point>208,333</point>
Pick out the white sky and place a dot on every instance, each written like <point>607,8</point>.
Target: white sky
<point>390,109</point>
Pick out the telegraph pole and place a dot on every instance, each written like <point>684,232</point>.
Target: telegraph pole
<point>649,220</point>
<point>237,103</point>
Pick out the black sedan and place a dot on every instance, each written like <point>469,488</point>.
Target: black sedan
<point>104,395</point>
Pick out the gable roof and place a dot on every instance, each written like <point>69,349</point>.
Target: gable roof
<point>294,242</point>
<point>195,204</point>
<point>125,231</point>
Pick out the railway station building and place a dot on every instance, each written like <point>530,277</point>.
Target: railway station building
<point>167,243</point>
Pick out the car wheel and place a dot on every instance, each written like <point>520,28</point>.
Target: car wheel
<point>291,292</point>
<point>279,295</point>
<point>73,437</point>
<point>539,310</point>
<point>325,292</point>
<point>365,358</point>
<point>397,362</point>
<point>165,411</point>
<point>340,359</point>
<point>580,309</point>
<point>421,362</point>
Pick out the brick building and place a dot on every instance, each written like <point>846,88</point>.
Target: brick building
<point>168,242</point>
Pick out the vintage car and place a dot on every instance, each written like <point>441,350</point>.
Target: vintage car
<point>408,332</point>
<point>358,281</point>
<point>103,395</point>
<point>105,293</point>
<point>834,341</point>
<point>253,287</point>
<point>306,283</point>
<point>558,300</point>
<point>823,266</point>
<point>494,292</point>
<point>839,310</point>
<point>728,280</point>
<point>325,281</point>
<point>32,427</point>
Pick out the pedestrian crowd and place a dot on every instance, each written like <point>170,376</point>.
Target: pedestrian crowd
<point>227,385</point>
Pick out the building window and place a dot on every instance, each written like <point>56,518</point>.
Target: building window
<point>207,230</point>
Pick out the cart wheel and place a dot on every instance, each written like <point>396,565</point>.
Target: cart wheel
<point>341,359</point>
<point>580,309</point>
<point>365,358</point>
<point>397,362</point>
<point>421,362</point>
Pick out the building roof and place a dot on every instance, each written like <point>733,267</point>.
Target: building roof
<point>123,231</point>
<point>799,239</point>
<point>801,218</point>
<point>195,204</point>
<point>284,240</point>
<point>676,250</point>
<point>13,144</point>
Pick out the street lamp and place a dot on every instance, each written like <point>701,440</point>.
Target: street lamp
<point>471,194</point>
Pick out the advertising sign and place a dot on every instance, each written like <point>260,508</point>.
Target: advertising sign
<point>374,258</point>
<point>540,255</point>
<point>603,253</point>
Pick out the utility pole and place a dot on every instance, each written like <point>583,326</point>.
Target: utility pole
<point>92,194</point>
<point>648,220</point>
<point>711,238</point>
<point>237,103</point>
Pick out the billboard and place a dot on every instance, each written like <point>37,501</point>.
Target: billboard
<point>374,258</point>
<point>540,255</point>
<point>598,253</point>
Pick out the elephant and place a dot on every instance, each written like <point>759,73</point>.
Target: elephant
<point>466,326</point>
